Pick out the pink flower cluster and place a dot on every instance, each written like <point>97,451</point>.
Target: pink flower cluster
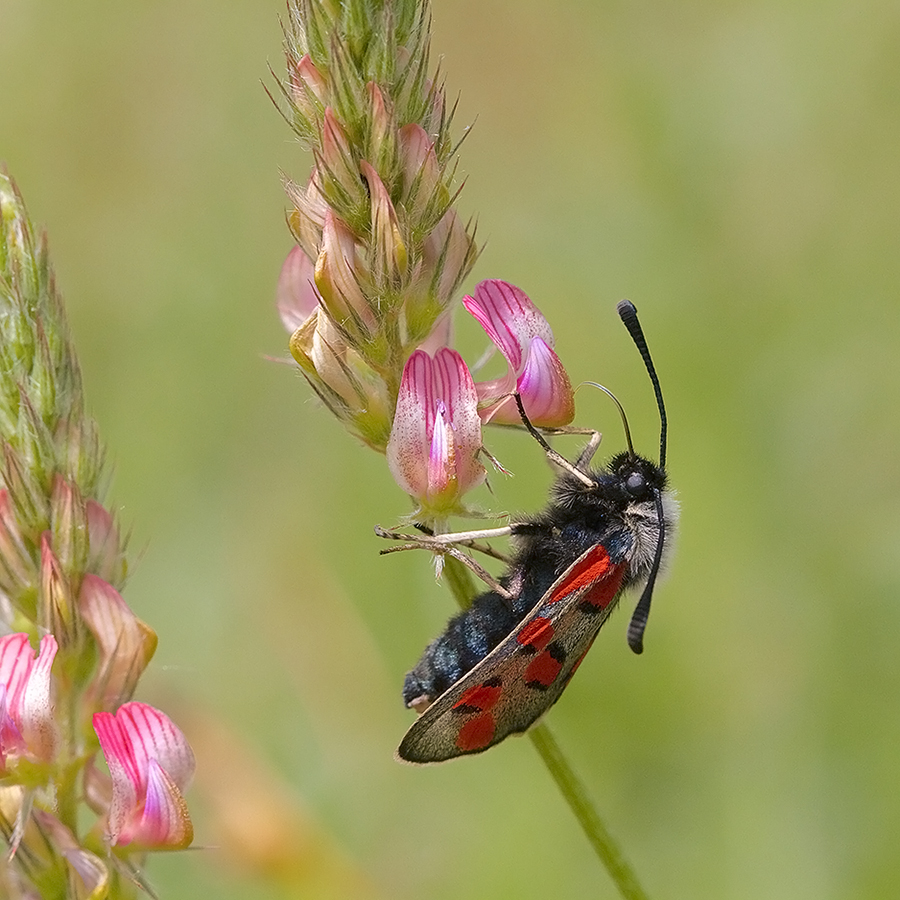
<point>149,759</point>
<point>436,435</point>
<point>435,438</point>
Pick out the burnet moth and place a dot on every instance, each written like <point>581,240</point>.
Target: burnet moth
<point>503,662</point>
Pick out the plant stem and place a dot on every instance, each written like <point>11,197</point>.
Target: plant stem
<point>582,806</point>
<point>459,580</point>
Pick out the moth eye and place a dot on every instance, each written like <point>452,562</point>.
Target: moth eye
<point>636,484</point>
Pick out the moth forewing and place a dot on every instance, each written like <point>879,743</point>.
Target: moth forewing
<point>524,675</point>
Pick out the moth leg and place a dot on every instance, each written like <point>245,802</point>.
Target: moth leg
<point>486,549</point>
<point>445,540</point>
<point>590,449</point>
<point>445,550</point>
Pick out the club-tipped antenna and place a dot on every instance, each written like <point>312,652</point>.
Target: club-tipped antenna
<point>628,314</point>
<point>642,610</point>
<point>615,400</point>
<point>552,454</point>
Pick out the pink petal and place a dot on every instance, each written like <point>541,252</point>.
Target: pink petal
<point>441,457</point>
<point>509,317</point>
<point>105,551</point>
<point>441,336</point>
<point>296,296</point>
<point>126,778</point>
<point>139,742</point>
<point>16,659</point>
<point>36,715</point>
<point>436,433</point>
<point>11,741</point>
<point>454,384</point>
<point>545,390</point>
<point>165,821</point>
<point>153,735</point>
<point>126,644</point>
<point>409,445</point>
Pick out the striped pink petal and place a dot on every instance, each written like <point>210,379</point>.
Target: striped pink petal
<point>150,763</point>
<point>26,708</point>
<point>525,339</point>
<point>436,434</point>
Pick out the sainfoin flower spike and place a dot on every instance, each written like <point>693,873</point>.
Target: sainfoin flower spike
<point>62,566</point>
<point>523,336</point>
<point>436,435</point>
<point>375,218</point>
<point>150,763</point>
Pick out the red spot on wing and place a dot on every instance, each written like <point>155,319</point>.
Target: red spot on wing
<point>481,697</point>
<point>595,566</point>
<point>542,671</point>
<point>536,634</point>
<point>604,591</point>
<point>477,733</point>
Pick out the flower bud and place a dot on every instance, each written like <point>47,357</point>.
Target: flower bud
<point>382,133</point>
<point>422,188</point>
<point>17,569</point>
<point>56,608</point>
<point>340,172</point>
<point>308,88</point>
<point>388,256</point>
<point>335,276</point>
<point>126,644</point>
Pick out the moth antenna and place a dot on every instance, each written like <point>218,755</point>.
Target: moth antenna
<point>615,400</point>
<point>552,454</point>
<point>642,610</point>
<point>628,314</point>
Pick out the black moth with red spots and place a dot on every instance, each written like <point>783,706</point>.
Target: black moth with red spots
<point>502,663</point>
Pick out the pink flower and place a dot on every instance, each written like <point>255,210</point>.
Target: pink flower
<point>150,763</point>
<point>26,710</point>
<point>436,435</point>
<point>524,337</point>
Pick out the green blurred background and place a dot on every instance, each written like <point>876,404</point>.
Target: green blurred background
<point>731,167</point>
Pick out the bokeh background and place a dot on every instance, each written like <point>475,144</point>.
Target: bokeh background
<point>734,168</point>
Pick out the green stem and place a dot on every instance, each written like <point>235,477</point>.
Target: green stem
<point>582,806</point>
<point>459,580</point>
